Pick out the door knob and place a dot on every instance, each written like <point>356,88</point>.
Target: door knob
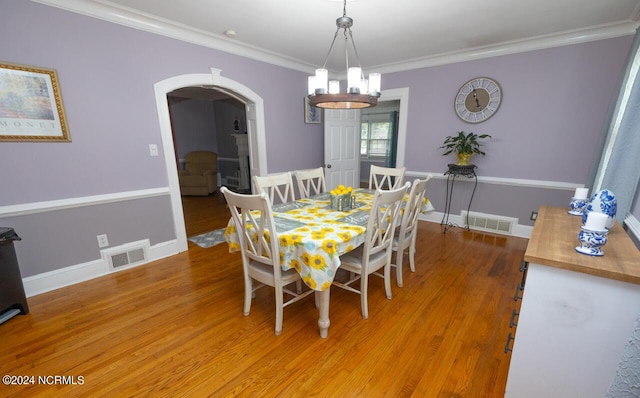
<point>328,166</point>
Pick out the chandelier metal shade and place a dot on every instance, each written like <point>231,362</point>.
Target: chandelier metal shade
<point>360,92</point>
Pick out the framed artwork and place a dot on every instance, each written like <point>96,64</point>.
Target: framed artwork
<point>311,113</point>
<point>31,105</point>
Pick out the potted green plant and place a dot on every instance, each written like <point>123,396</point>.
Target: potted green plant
<point>464,145</point>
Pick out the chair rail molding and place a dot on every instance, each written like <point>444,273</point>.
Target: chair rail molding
<point>518,182</point>
<point>69,203</point>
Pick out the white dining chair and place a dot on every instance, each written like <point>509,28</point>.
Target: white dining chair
<point>276,186</point>
<point>260,250</point>
<point>375,253</point>
<point>386,177</point>
<point>310,182</point>
<point>405,237</point>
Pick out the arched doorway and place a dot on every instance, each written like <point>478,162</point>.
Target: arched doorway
<point>255,130</point>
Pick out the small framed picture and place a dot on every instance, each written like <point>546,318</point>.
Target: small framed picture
<point>31,105</point>
<point>311,113</point>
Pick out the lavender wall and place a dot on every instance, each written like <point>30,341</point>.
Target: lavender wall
<point>106,74</point>
<point>548,127</point>
<point>552,115</point>
<point>194,126</point>
<point>226,113</point>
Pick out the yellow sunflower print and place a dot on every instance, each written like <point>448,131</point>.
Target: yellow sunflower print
<point>296,239</point>
<point>309,282</point>
<point>317,235</point>
<point>306,259</point>
<point>330,246</point>
<point>317,262</point>
<point>285,241</point>
<point>344,236</point>
<point>295,264</point>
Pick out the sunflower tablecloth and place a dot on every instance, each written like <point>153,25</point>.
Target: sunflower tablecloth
<point>312,236</point>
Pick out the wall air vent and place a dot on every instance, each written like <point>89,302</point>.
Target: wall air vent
<point>490,222</point>
<point>126,256</point>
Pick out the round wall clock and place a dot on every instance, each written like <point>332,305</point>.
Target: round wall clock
<point>478,100</point>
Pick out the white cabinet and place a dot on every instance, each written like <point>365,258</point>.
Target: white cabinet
<point>578,312</point>
<point>571,333</point>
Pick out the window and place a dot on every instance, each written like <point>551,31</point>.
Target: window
<point>375,138</point>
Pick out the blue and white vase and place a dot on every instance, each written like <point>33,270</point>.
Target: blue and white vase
<point>591,242</point>
<point>577,206</point>
<point>605,202</point>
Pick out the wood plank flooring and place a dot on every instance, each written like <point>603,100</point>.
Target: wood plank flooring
<point>175,327</point>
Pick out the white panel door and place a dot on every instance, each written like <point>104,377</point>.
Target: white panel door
<point>342,147</point>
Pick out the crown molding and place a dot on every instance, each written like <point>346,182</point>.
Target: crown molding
<point>515,46</point>
<point>135,19</point>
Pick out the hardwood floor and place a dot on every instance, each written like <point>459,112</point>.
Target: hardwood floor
<point>175,327</point>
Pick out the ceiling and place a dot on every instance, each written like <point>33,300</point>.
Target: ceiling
<point>389,34</point>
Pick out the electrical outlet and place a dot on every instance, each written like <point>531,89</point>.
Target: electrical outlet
<point>534,215</point>
<point>102,240</point>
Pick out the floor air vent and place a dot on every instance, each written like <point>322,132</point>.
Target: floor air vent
<point>490,223</point>
<point>126,256</point>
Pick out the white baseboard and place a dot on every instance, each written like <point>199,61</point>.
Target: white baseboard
<point>52,280</point>
<point>519,230</point>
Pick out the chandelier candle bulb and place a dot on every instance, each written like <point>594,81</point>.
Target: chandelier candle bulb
<point>581,193</point>
<point>364,85</point>
<point>334,87</point>
<point>322,79</point>
<point>311,89</point>
<point>353,79</point>
<point>596,221</point>
<point>374,83</point>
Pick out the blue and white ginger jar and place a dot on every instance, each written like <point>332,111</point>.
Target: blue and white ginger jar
<point>605,202</point>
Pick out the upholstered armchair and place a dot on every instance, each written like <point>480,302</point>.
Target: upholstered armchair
<point>200,176</point>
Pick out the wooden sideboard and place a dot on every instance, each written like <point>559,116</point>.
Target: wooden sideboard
<point>577,313</point>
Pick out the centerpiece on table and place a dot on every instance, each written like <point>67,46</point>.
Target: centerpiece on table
<point>341,197</point>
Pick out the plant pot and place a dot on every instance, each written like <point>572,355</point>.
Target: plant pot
<point>464,159</point>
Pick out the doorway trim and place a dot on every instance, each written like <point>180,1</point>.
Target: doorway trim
<point>401,94</point>
<point>255,130</point>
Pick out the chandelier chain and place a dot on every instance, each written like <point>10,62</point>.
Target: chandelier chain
<point>330,48</point>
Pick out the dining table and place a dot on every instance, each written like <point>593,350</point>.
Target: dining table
<point>313,236</point>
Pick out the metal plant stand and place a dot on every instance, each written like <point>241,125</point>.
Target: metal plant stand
<point>454,171</point>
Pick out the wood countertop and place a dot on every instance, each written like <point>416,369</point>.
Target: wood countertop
<point>555,237</point>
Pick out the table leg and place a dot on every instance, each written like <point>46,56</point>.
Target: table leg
<point>323,319</point>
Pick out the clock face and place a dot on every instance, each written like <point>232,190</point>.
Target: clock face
<point>478,100</point>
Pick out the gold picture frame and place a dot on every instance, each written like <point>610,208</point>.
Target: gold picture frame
<point>31,105</point>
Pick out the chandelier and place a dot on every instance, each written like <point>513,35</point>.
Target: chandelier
<point>360,92</point>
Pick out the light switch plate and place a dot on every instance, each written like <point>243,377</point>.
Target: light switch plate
<point>153,150</point>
